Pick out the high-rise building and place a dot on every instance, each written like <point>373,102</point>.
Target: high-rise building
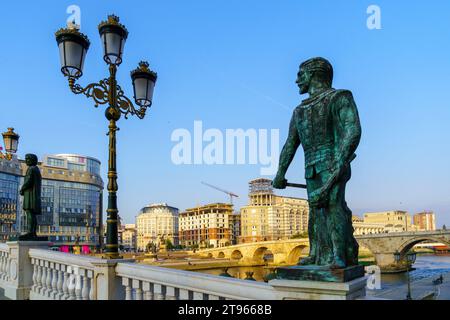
<point>393,221</point>
<point>210,225</point>
<point>154,222</point>
<point>71,198</point>
<point>271,217</point>
<point>425,221</point>
<point>10,179</point>
<point>235,227</point>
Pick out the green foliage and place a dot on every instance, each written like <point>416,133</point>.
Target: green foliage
<point>300,235</point>
<point>169,245</point>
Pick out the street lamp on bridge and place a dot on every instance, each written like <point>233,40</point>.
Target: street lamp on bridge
<point>410,259</point>
<point>73,47</point>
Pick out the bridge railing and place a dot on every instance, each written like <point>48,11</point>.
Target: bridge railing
<point>143,282</point>
<point>29,270</point>
<point>61,276</point>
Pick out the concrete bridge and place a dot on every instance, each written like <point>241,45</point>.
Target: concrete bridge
<point>383,247</point>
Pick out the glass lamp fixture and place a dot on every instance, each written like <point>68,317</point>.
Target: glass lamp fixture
<point>411,257</point>
<point>113,35</point>
<point>11,141</point>
<point>73,47</point>
<point>144,81</point>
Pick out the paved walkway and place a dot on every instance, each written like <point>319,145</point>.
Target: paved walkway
<point>419,289</point>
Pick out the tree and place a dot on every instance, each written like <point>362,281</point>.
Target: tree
<point>169,244</point>
<point>300,235</point>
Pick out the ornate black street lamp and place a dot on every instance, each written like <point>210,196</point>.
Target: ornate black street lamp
<point>11,142</point>
<point>410,259</point>
<point>73,47</point>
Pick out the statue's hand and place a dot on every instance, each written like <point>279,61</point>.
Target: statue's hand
<point>279,182</point>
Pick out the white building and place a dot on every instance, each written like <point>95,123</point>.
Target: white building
<point>155,221</point>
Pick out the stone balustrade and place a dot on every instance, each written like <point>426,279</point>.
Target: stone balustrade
<point>62,276</point>
<point>30,271</point>
<point>143,282</point>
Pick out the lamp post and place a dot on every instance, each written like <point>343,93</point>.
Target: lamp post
<point>410,259</point>
<point>11,142</point>
<point>73,47</point>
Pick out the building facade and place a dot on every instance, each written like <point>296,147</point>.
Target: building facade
<point>270,217</point>
<point>393,221</point>
<point>129,237</point>
<point>71,198</point>
<point>363,228</point>
<point>10,206</point>
<point>235,227</point>
<point>155,221</point>
<point>211,225</point>
<point>425,221</point>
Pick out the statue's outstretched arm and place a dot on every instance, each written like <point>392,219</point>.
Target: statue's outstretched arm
<point>289,149</point>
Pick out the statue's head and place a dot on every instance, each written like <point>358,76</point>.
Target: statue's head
<point>315,71</point>
<point>31,159</point>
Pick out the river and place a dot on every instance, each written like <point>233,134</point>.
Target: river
<point>426,265</point>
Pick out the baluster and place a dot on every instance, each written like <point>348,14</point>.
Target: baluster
<point>59,284</point>
<point>171,293</point>
<point>158,292</point>
<point>148,290</point>
<point>54,282</point>
<point>2,265</point>
<point>71,287</point>
<point>43,278</point>
<point>8,267</point>
<point>78,286</point>
<point>128,290</point>
<point>183,294</point>
<point>34,278</point>
<point>91,287</point>
<point>65,287</point>
<point>48,280</point>
<point>138,290</point>
<point>198,296</point>
<point>85,290</point>
<point>38,287</point>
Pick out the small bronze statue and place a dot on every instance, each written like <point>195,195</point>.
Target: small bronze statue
<point>31,192</point>
<point>327,125</point>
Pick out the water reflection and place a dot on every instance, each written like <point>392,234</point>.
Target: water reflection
<point>425,266</point>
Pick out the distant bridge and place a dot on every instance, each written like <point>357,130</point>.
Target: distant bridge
<point>383,246</point>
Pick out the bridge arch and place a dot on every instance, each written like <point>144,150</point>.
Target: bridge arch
<point>236,255</point>
<point>294,255</point>
<point>410,243</point>
<point>221,255</point>
<point>260,252</point>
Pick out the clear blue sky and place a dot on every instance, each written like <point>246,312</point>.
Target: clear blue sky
<point>232,64</point>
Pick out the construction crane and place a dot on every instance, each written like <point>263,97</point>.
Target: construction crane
<point>231,194</point>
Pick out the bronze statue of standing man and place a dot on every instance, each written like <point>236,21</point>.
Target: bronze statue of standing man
<point>327,125</point>
<point>31,192</point>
